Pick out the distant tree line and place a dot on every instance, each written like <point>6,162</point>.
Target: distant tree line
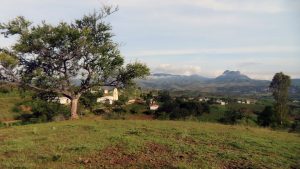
<point>179,108</point>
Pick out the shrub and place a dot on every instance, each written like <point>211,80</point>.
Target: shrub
<point>180,109</point>
<point>266,118</point>
<point>295,127</point>
<point>43,111</point>
<point>238,116</point>
<point>89,100</point>
<point>100,111</point>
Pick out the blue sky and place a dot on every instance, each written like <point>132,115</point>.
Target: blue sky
<point>206,37</point>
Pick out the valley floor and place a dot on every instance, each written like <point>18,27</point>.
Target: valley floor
<point>96,143</point>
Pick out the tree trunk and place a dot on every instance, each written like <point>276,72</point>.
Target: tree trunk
<point>74,106</point>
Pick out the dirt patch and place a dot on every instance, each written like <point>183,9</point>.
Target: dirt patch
<point>152,155</point>
<point>109,157</point>
<point>9,154</point>
<point>2,138</point>
<point>243,164</point>
<point>157,156</point>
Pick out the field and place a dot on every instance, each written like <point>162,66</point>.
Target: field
<point>96,143</point>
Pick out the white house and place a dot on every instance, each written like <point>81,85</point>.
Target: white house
<point>223,103</point>
<point>64,100</point>
<point>107,98</point>
<point>115,94</point>
<point>205,99</point>
<point>154,106</point>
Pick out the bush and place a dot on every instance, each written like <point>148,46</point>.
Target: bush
<point>247,122</point>
<point>100,111</point>
<point>89,100</point>
<point>295,127</point>
<point>134,110</point>
<point>266,117</point>
<point>231,117</point>
<point>162,115</point>
<point>43,111</point>
<point>180,109</point>
<point>239,116</point>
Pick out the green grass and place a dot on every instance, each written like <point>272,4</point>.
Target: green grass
<point>96,143</point>
<point>216,113</point>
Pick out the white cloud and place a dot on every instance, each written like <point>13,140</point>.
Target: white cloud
<point>262,6</point>
<point>268,75</point>
<point>265,6</point>
<point>237,50</point>
<point>180,70</point>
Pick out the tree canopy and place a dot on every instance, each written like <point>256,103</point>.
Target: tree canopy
<point>280,88</point>
<point>68,58</point>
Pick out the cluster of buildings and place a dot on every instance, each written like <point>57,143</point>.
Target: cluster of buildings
<point>110,96</point>
<point>224,102</point>
<point>244,102</point>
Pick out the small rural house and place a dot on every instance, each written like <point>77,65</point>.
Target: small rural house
<point>221,102</point>
<point>64,100</point>
<point>107,98</point>
<point>154,107</point>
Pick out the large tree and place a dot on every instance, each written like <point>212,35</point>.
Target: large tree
<point>280,88</point>
<point>68,59</point>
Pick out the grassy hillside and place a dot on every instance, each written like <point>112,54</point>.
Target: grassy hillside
<point>96,143</point>
<point>7,103</point>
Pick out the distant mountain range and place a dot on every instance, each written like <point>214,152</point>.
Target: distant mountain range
<point>229,82</point>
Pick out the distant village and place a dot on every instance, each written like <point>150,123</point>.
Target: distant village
<point>110,95</point>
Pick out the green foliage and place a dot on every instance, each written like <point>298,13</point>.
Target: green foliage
<point>49,57</point>
<point>280,88</point>
<point>180,109</point>
<point>123,99</point>
<point>7,60</point>
<point>295,127</point>
<point>136,108</point>
<point>266,117</point>
<point>89,100</point>
<point>43,111</point>
<point>216,114</point>
<point>239,116</point>
<point>164,96</point>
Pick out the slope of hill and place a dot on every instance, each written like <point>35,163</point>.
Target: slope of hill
<point>97,143</point>
<point>7,103</point>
